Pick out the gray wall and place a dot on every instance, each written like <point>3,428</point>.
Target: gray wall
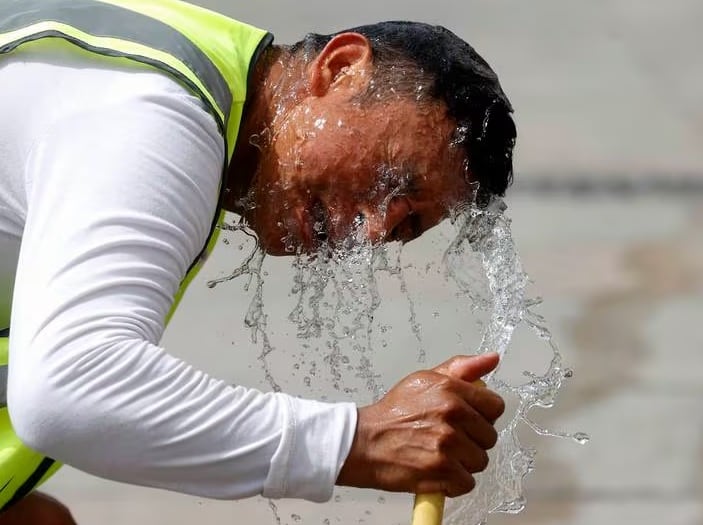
<point>599,87</point>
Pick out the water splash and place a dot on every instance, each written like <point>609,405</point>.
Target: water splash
<point>484,236</point>
<point>256,318</point>
<point>415,326</point>
<point>337,298</point>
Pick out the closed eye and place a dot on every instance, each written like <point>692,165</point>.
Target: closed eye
<point>408,229</point>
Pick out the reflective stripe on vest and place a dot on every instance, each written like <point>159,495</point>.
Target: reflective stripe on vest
<point>3,386</point>
<point>26,20</point>
<point>4,353</point>
<point>208,52</point>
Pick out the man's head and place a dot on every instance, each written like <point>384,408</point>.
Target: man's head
<point>381,129</point>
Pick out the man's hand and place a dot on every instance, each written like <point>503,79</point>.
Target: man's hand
<point>429,433</point>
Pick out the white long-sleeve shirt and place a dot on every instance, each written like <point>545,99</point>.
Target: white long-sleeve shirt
<point>109,180</point>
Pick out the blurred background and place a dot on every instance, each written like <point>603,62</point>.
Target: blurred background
<point>607,213</point>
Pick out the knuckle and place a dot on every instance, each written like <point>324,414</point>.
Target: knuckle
<point>456,360</point>
<point>454,490</point>
<point>499,407</point>
<point>438,463</point>
<point>482,462</point>
<point>470,484</point>
<point>443,382</point>
<point>462,486</point>
<point>415,377</point>
<point>493,438</point>
<point>452,408</point>
<point>446,436</point>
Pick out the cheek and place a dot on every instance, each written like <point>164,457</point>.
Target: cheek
<point>290,146</point>
<point>273,221</point>
<point>334,162</point>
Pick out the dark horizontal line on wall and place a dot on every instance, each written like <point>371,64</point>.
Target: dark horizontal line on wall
<point>640,388</point>
<point>612,495</point>
<point>609,184</point>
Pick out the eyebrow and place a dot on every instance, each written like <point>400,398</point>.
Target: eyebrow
<point>405,175</point>
<point>409,176</point>
<point>412,178</point>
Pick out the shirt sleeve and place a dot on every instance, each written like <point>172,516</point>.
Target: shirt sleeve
<point>120,201</point>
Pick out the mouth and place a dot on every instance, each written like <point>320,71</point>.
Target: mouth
<point>316,225</point>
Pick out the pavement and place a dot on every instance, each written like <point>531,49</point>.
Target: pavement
<point>607,215</point>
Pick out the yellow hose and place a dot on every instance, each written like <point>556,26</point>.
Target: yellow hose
<point>428,509</point>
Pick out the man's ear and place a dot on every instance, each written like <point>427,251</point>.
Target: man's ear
<point>345,53</point>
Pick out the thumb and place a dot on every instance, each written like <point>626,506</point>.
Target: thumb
<point>469,368</point>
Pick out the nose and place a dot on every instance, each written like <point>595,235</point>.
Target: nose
<point>394,222</point>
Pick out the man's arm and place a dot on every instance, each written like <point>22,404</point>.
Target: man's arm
<point>120,201</point>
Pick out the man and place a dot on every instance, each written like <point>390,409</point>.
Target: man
<point>128,126</point>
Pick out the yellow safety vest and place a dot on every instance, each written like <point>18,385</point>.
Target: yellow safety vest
<point>210,54</point>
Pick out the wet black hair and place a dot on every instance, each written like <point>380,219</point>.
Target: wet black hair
<point>460,78</point>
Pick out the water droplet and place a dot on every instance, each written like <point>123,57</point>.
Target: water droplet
<point>381,500</point>
<point>295,517</point>
<point>581,438</point>
<point>337,295</point>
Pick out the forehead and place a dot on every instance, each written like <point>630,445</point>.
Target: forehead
<point>419,138</point>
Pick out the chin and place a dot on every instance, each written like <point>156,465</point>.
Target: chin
<point>272,245</point>
<point>275,251</point>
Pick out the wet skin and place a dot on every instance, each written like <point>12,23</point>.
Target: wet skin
<point>315,162</point>
<point>312,150</point>
<point>328,161</point>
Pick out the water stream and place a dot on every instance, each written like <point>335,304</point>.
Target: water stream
<point>338,318</point>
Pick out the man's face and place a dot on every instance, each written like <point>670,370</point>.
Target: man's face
<point>336,166</point>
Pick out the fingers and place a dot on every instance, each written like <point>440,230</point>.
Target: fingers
<point>469,368</point>
<point>453,481</point>
<point>484,401</point>
<point>463,483</point>
<point>487,403</point>
<point>454,477</point>
<point>451,469</point>
<point>455,443</point>
<point>429,433</point>
<point>477,428</point>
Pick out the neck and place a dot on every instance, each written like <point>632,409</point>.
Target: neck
<point>264,94</point>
